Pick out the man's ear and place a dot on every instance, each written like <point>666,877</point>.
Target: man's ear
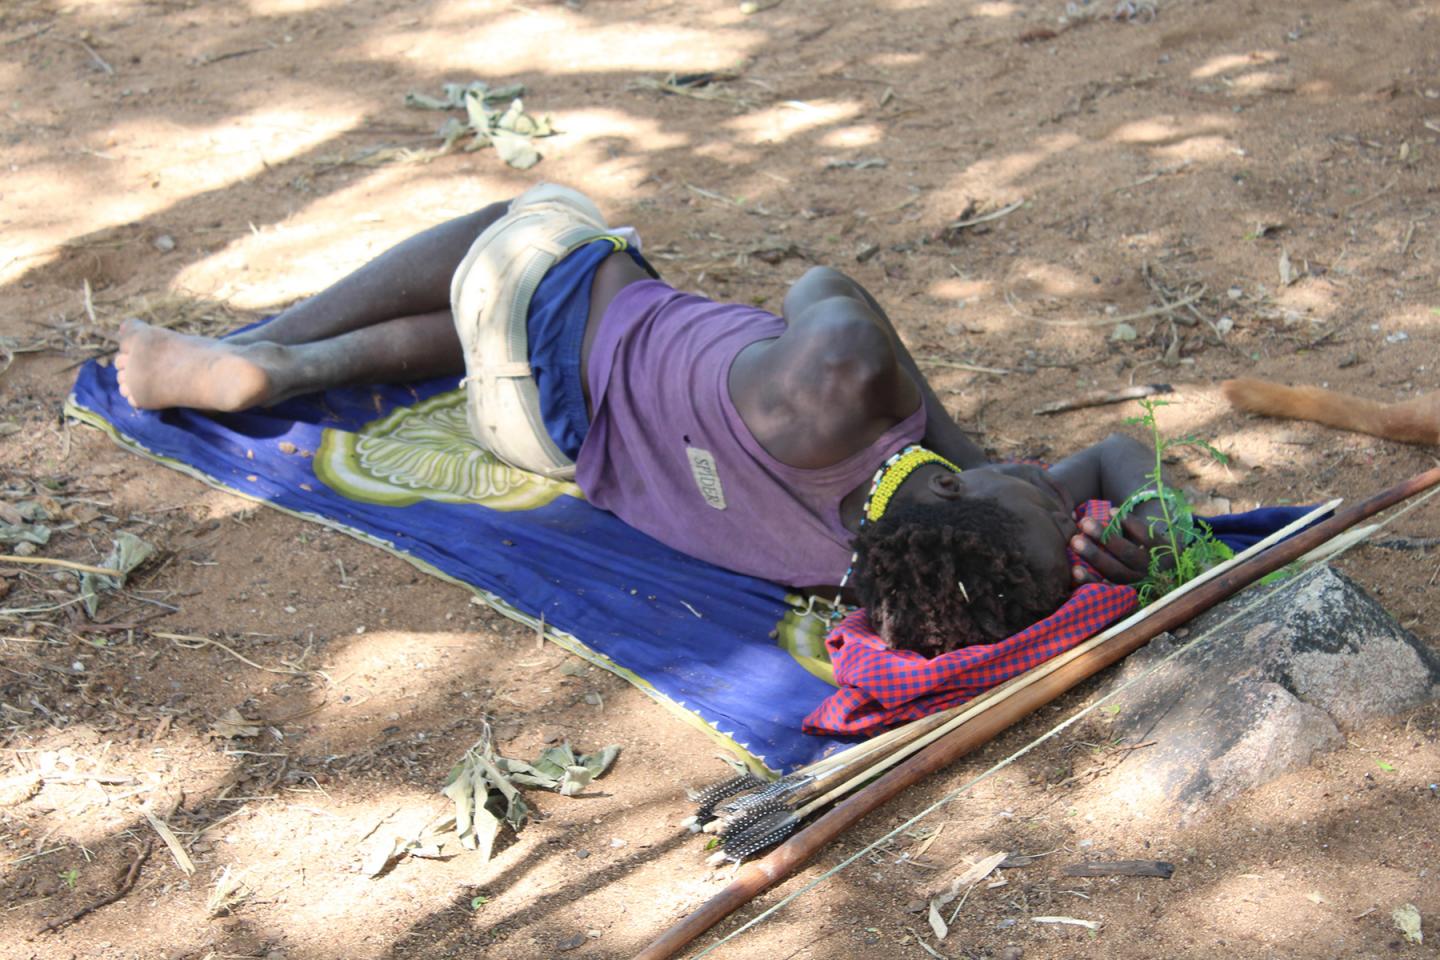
<point>945,485</point>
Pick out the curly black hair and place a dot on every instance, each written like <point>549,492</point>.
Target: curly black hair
<point>910,562</point>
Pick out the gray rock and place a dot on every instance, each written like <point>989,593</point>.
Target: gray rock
<point>1259,696</point>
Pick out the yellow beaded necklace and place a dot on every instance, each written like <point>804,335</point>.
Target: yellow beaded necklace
<point>896,471</point>
<point>883,485</point>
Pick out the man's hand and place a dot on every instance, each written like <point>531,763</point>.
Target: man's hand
<point>1123,557</point>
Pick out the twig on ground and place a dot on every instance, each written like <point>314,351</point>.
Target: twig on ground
<point>67,564</point>
<point>1409,235</point>
<point>962,365</point>
<point>99,60</point>
<point>712,195</point>
<point>126,885</point>
<point>1122,868</point>
<point>89,296</point>
<point>1100,398</point>
<point>1127,317</point>
<point>985,217</point>
<point>205,61</point>
<point>928,949</point>
<point>1151,177</point>
<point>192,642</point>
<point>1406,543</point>
<point>1374,196</point>
<point>31,35</point>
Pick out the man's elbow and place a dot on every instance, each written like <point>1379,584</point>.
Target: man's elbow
<point>1121,443</point>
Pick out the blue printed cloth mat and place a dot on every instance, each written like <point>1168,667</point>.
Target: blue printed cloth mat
<point>396,466</point>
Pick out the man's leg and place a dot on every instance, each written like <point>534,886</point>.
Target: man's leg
<point>158,368</point>
<point>388,321</point>
<point>410,279</point>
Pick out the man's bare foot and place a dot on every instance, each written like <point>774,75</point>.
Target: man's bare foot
<point>158,368</point>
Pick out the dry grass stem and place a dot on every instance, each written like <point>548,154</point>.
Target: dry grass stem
<point>1128,317</point>
<point>192,642</point>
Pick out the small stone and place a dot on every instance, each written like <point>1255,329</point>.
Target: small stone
<point>164,243</point>
<point>24,549</point>
<point>616,842</point>
<point>289,609</point>
<point>593,934</point>
<point>287,447</point>
<point>582,854</point>
<point>565,946</point>
<point>1011,952</point>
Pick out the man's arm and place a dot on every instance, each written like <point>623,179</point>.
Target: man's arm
<point>942,433</point>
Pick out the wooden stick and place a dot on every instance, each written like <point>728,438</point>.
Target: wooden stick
<point>1121,868</point>
<point>986,217</point>
<point>759,876</point>
<point>1099,398</point>
<point>67,564</point>
<point>126,884</point>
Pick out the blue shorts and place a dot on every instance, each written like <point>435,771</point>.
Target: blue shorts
<point>555,328</point>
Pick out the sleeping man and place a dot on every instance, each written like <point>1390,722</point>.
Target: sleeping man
<point>805,448</point>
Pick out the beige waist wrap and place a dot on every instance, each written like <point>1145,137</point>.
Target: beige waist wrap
<point>490,299</point>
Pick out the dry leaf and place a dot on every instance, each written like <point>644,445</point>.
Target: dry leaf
<point>128,552</point>
<point>384,849</point>
<point>231,724</point>
<point>979,871</point>
<point>1407,920</point>
<point>937,923</point>
<point>1072,921</point>
<point>516,151</point>
<point>229,891</point>
<point>177,850</point>
<point>1287,272</point>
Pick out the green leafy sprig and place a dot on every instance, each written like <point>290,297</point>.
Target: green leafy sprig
<point>1189,547</point>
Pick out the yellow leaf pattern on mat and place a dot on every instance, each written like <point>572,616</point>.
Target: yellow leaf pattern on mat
<point>426,452</point>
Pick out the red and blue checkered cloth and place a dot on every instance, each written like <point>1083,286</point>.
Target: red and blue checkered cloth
<point>881,687</point>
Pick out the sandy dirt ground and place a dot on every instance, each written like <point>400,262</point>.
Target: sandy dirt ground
<point>202,164</point>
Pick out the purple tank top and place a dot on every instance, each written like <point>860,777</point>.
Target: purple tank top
<point>668,453</point>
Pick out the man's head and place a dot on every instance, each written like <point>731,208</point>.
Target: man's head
<point>968,558</point>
